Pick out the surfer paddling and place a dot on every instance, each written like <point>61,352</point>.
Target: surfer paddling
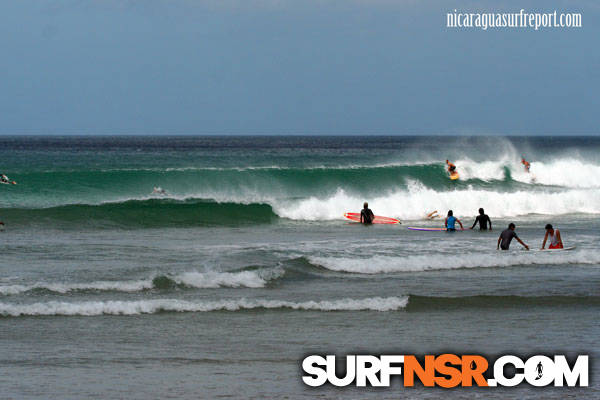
<point>507,236</point>
<point>366,215</point>
<point>5,180</point>
<point>451,221</point>
<point>554,236</point>
<point>159,190</point>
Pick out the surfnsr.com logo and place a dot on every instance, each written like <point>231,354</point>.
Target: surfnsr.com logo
<point>446,370</point>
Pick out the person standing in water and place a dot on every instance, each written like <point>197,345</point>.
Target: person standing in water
<point>451,221</point>
<point>366,215</point>
<point>507,236</point>
<point>483,221</point>
<point>554,236</point>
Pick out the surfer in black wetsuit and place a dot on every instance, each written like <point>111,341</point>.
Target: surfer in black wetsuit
<point>483,221</point>
<point>366,215</point>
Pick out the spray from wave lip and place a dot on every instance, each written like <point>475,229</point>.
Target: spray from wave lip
<point>419,263</point>
<point>570,173</point>
<point>91,308</point>
<point>192,279</point>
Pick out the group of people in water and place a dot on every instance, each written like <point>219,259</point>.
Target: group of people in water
<point>506,236</point>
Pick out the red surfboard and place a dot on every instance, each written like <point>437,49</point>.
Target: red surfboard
<point>378,220</point>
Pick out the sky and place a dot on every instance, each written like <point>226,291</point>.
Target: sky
<point>293,67</point>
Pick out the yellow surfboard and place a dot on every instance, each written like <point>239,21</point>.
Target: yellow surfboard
<point>454,175</point>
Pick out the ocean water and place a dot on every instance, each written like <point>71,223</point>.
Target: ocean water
<point>221,286</point>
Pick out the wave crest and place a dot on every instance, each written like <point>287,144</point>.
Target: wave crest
<point>193,279</point>
<point>91,308</point>
<point>418,263</point>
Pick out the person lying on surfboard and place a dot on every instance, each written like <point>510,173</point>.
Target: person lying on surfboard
<point>159,190</point>
<point>451,221</point>
<point>366,215</point>
<point>4,179</point>
<point>525,164</point>
<point>451,167</point>
<point>554,236</point>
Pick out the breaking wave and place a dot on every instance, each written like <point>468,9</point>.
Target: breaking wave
<point>418,263</point>
<point>192,279</point>
<point>91,308</point>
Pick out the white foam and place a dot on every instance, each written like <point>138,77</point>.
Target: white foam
<point>250,279</point>
<point>201,280</point>
<point>571,173</point>
<point>565,172</point>
<point>483,170</point>
<point>121,286</point>
<point>412,203</point>
<point>418,263</point>
<point>90,308</point>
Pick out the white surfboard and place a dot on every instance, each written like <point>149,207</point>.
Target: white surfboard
<point>563,249</point>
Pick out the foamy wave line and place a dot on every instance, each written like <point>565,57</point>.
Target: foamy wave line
<point>90,308</point>
<point>414,203</point>
<point>121,286</point>
<point>389,264</point>
<point>193,279</point>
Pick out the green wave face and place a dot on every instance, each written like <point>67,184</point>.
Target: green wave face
<point>144,214</point>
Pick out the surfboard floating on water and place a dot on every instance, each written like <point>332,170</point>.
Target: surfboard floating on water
<point>563,249</point>
<point>424,228</point>
<point>377,220</point>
